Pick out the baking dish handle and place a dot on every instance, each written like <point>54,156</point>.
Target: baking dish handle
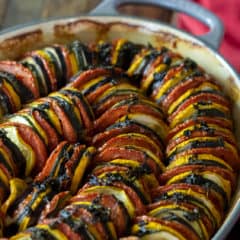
<point>212,38</point>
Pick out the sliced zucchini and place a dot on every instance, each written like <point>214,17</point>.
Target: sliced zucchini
<point>145,230</point>
<point>115,191</point>
<point>80,56</point>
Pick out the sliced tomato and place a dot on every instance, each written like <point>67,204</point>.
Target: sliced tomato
<point>115,113</point>
<point>205,91</point>
<point>86,113</point>
<point>204,217</point>
<point>65,53</point>
<point>81,211</point>
<point>31,138</point>
<point>91,97</point>
<point>193,194</point>
<point>202,97</point>
<point>82,104</point>
<point>53,160</point>
<point>131,153</point>
<point>221,152</point>
<point>47,67</point>
<point>67,165</point>
<point>23,75</point>
<point>133,196</point>
<point>69,232</point>
<point>140,207</point>
<point>103,168</point>
<point>198,129</point>
<point>121,128</point>
<point>52,208</point>
<point>154,225</point>
<point>224,173</point>
<point>77,166</point>
<point>111,175</point>
<point>201,121</point>
<point>7,159</point>
<point>181,214</point>
<point>118,213</point>
<point>137,139</point>
<point>211,181</point>
<point>86,76</point>
<point>52,135</point>
<point>69,133</point>
<point>12,96</point>
<point>114,95</point>
<point>173,77</point>
<point>103,107</point>
<point>200,109</point>
<point>181,88</point>
<point>118,193</point>
<point>228,137</point>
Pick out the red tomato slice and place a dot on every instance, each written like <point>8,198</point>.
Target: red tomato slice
<point>188,233</point>
<point>22,74</point>
<point>32,139</point>
<point>199,120</point>
<point>86,76</point>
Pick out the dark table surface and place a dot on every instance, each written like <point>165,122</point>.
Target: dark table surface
<point>14,12</point>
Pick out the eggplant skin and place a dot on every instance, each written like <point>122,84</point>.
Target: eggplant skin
<point>64,170</point>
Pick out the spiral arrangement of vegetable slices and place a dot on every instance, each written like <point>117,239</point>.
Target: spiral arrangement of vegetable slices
<point>139,143</point>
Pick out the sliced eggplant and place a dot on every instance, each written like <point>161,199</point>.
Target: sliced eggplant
<point>69,116</point>
<point>123,53</point>
<point>143,59</point>
<point>82,104</point>
<point>157,125</point>
<point>211,181</point>
<point>94,213</point>
<point>199,159</point>
<point>40,232</point>
<point>210,145</point>
<point>24,76</point>
<point>133,153</point>
<point>81,56</point>
<point>137,139</point>
<point>47,67</point>
<point>202,129</point>
<point>173,77</point>
<point>118,213</point>
<point>193,194</point>
<point>11,94</point>
<point>146,227</point>
<point>182,215</point>
<point>123,108</point>
<point>206,91</point>
<point>35,65</point>
<point>110,177</point>
<point>117,192</point>
<point>200,109</point>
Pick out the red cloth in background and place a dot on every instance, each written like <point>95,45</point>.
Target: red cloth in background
<point>229,12</point>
